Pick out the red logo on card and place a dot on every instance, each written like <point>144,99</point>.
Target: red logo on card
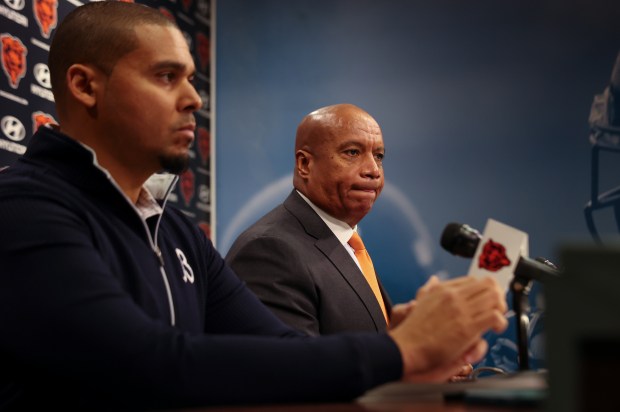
<point>493,256</point>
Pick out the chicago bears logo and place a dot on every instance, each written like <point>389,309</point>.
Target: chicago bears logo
<point>13,59</point>
<point>204,144</point>
<point>41,119</point>
<point>46,15</point>
<point>206,228</point>
<point>187,186</point>
<point>204,50</point>
<point>493,256</point>
<point>186,4</point>
<point>167,13</point>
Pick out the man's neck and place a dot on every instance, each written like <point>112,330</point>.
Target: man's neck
<point>340,229</point>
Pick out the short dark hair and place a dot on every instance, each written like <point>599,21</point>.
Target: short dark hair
<point>98,33</point>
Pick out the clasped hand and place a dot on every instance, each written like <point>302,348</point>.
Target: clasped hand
<point>440,333</point>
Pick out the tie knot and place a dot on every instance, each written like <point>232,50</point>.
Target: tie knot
<point>356,242</point>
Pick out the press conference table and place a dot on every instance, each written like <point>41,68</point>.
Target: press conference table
<point>522,392</point>
<point>412,406</point>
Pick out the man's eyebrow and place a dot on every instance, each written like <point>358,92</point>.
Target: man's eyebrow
<point>357,143</point>
<point>170,64</point>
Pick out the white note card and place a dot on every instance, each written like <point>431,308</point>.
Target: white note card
<point>498,252</point>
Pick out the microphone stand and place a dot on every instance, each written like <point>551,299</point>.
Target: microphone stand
<point>520,287</point>
<point>463,240</point>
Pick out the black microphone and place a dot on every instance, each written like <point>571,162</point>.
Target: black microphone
<point>462,240</point>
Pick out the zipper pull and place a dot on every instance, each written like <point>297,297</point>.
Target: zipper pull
<point>159,256</point>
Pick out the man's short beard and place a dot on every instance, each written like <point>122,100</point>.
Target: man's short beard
<point>174,164</point>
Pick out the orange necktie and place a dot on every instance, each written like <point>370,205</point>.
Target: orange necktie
<point>367,268</point>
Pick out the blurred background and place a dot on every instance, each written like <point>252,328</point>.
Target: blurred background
<point>484,108</point>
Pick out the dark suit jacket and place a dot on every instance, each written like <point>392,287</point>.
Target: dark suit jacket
<point>297,267</point>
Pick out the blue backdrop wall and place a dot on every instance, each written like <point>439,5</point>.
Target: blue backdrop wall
<point>483,104</point>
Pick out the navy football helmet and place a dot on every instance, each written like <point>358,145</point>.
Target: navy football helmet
<point>605,139</point>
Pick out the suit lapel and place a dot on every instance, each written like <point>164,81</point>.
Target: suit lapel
<point>331,247</point>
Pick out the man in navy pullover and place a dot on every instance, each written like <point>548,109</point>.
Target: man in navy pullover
<point>111,300</point>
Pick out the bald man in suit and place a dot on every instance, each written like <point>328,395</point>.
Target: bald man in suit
<point>296,258</point>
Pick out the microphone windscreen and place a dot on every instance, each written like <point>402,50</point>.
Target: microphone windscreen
<point>460,239</point>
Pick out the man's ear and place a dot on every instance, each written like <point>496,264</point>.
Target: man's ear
<point>303,159</point>
<point>82,84</point>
